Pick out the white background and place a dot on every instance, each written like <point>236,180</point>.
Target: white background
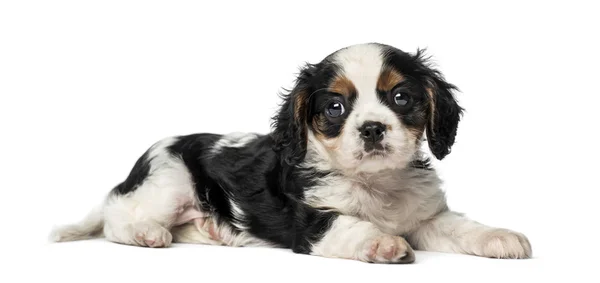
<point>87,86</point>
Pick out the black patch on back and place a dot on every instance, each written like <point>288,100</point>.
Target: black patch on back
<point>253,177</point>
<point>193,150</point>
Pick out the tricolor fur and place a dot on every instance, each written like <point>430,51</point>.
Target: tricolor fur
<point>341,174</point>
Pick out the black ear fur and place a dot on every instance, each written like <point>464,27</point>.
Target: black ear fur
<point>445,113</point>
<point>289,124</point>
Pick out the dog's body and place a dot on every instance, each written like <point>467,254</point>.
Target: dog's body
<point>341,175</point>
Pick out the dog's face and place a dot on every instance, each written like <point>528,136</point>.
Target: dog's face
<point>365,108</point>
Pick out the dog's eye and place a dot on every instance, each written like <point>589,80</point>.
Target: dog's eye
<point>401,99</point>
<point>335,109</point>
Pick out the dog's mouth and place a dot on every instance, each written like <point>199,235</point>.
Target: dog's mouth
<point>375,152</point>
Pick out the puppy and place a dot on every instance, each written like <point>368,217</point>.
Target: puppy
<point>341,175</point>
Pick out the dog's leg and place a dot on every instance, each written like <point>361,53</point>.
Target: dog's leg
<point>454,233</point>
<point>129,220</point>
<point>351,238</point>
<point>145,214</point>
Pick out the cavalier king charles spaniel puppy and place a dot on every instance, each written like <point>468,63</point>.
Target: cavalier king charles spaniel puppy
<point>341,175</point>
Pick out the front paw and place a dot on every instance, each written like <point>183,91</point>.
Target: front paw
<point>388,249</point>
<point>503,243</point>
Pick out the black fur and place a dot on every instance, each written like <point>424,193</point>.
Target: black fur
<point>136,177</point>
<point>447,113</point>
<point>289,127</point>
<point>251,175</point>
<point>442,128</point>
<point>423,163</point>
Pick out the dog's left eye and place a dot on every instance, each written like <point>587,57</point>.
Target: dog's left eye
<point>401,99</point>
<point>335,109</point>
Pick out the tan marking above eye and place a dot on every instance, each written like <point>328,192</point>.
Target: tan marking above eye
<point>342,85</point>
<point>388,79</point>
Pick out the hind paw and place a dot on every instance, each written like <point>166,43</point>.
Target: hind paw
<point>151,235</point>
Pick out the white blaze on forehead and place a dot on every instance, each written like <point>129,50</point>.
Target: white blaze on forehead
<point>362,65</point>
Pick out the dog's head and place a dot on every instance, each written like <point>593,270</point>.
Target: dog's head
<point>365,108</point>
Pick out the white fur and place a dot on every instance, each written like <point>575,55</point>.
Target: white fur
<point>238,215</point>
<point>396,200</point>
<point>165,193</point>
<point>233,140</point>
<point>346,238</point>
<point>405,202</point>
<point>196,232</point>
<point>89,227</point>
<point>240,239</point>
<point>352,238</point>
<point>148,215</point>
<point>199,233</point>
<point>455,233</point>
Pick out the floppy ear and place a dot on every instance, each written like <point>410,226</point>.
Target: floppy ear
<point>290,122</point>
<point>444,111</point>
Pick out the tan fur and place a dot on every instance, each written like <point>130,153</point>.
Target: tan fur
<point>388,79</point>
<point>342,85</point>
<point>431,107</point>
<point>300,107</point>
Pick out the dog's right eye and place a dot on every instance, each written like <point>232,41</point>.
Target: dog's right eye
<point>335,109</point>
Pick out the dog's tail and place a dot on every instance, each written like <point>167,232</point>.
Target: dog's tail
<point>89,227</point>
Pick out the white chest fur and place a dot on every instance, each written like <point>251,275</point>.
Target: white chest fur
<point>395,200</point>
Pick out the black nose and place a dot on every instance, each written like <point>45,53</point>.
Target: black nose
<point>372,132</point>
